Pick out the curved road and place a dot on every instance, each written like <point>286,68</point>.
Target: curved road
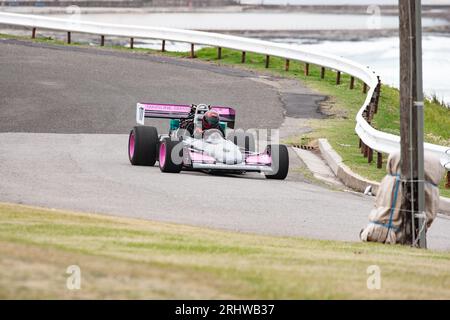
<point>65,117</point>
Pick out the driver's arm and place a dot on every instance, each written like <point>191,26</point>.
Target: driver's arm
<point>198,132</point>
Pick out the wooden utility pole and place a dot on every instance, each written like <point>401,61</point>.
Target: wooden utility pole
<point>411,122</point>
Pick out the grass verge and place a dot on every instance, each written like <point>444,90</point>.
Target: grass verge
<point>341,107</point>
<point>126,258</point>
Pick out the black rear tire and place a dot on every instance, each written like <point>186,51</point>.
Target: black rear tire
<point>170,161</point>
<point>142,145</point>
<point>280,161</point>
<point>243,140</point>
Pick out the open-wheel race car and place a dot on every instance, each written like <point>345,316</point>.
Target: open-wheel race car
<point>197,140</point>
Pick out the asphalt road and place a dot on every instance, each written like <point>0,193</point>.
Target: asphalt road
<point>80,90</point>
<point>65,114</point>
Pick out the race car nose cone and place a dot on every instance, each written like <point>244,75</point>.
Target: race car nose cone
<point>224,151</point>
<point>231,153</point>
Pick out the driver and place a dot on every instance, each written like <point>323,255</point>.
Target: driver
<point>210,120</point>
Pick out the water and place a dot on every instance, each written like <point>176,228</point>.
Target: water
<point>382,55</point>
<point>249,21</point>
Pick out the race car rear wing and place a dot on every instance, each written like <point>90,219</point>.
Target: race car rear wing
<point>179,111</point>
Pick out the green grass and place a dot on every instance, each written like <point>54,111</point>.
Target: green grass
<point>342,105</point>
<point>126,258</point>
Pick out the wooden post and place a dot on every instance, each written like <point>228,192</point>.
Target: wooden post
<point>102,41</point>
<point>286,65</point>
<point>375,101</point>
<point>447,185</point>
<point>366,151</point>
<point>363,146</point>
<point>411,123</point>
<point>364,88</point>
<point>267,61</point>
<point>338,78</point>
<point>131,43</point>
<point>322,73</point>
<point>378,93</point>
<point>306,69</point>
<point>379,160</point>
<point>192,51</point>
<point>352,82</point>
<point>163,46</point>
<point>33,33</point>
<point>369,111</point>
<point>243,57</point>
<point>370,156</point>
<point>69,40</point>
<point>219,53</point>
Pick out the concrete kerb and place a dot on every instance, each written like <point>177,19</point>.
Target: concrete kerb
<point>344,173</point>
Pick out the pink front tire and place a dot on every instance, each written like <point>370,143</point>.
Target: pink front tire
<point>142,145</point>
<point>170,156</point>
<point>280,161</point>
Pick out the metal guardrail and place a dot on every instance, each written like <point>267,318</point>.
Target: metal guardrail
<point>370,138</point>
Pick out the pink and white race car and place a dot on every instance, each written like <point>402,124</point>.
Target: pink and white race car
<point>212,152</point>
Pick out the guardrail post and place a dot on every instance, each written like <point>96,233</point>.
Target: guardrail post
<point>372,110</point>
<point>366,151</point>
<point>369,111</point>
<point>243,57</point>
<point>69,40</point>
<point>370,155</point>
<point>338,78</point>
<point>163,46</point>
<point>322,73</point>
<point>352,82</point>
<point>219,53</point>
<point>447,185</point>
<point>379,160</point>
<point>102,41</point>
<point>33,33</point>
<point>192,51</point>
<point>306,69</point>
<point>363,146</point>
<point>377,98</point>
<point>378,94</point>
<point>286,65</point>
<point>267,61</point>
<point>131,43</point>
<point>364,88</point>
